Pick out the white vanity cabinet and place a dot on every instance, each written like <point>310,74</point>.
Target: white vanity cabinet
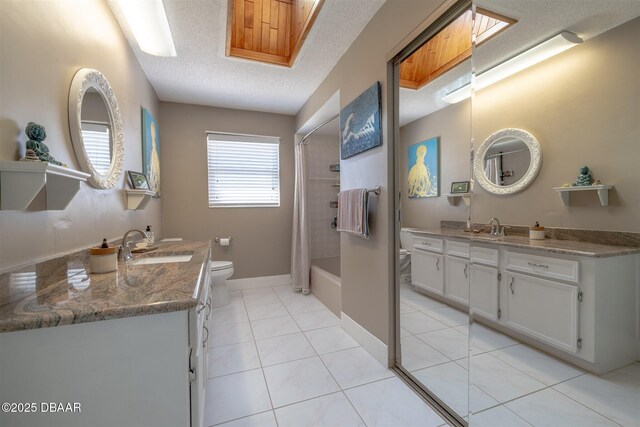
<point>456,270</point>
<point>427,264</point>
<point>580,308</point>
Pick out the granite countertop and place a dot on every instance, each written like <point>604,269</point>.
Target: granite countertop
<point>62,291</point>
<point>567,247</point>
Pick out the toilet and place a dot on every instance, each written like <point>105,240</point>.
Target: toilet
<point>406,244</point>
<point>220,272</point>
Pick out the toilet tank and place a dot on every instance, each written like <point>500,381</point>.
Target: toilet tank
<point>406,239</point>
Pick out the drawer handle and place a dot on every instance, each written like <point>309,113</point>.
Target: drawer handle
<point>465,271</point>
<point>426,243</point>
<point>201,307</point>
<point>534,265</point>
<point>438,263</point>
<point>208,306</point>
<point>204,341</point>
<point>511,285</point>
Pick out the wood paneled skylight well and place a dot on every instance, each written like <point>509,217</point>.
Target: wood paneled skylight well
<point>271,31</point>
<point>449,47</point>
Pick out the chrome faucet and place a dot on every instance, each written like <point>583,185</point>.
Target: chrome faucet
<point>125,250</point>
<point>496,229</point>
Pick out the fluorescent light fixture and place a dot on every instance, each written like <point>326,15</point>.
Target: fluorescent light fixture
<point>148,21</point>
<point>536,54</point>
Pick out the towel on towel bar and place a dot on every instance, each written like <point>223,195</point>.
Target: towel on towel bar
<point>353,212</point>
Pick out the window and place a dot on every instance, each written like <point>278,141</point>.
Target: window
<point>244,170</point>
<point>97,143</point>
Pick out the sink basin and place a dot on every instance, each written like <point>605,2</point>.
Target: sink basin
<point>161,259</point>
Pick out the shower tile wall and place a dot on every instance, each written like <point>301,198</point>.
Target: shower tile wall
<point>322,152</point>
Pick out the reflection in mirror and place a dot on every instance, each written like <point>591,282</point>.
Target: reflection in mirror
<point>433,153</point>
<point>506,161</point>
<point>554,338</point>
<point>96,132</point>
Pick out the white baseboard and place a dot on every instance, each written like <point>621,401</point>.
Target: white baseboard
<point>366,339</point>
<point>258,282</point>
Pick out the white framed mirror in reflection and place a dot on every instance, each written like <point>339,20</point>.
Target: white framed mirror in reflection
<point>95,126</point>
<point>507,161</point>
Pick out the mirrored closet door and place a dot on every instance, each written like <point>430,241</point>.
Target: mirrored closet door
<point>555,202</point>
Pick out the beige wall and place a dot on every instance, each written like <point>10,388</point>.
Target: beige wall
<point>453,126</point>
<point>366,271</point>
<point>42,45</point>
<point>583,106</point>
<point>261,236</point>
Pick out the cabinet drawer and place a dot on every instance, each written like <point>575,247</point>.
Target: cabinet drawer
<point>427,244</point>
<point>482,255</point>
<point>457,248</point>
<point>554,268</point>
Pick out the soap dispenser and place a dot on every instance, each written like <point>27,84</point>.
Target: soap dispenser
<point>150,236</point>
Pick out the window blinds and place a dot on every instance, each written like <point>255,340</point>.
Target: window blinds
<point>243,170</point>
<point>97,144</point>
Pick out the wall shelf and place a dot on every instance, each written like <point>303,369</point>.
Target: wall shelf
<point>138,199</point>
<point>453,198</point>
<point>37,185</point>
<point>603,192</point>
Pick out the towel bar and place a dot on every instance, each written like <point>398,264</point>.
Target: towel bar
<point>375,190</point>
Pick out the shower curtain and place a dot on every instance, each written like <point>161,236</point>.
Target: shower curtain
<point>492,169</point>
<point>300,257</point>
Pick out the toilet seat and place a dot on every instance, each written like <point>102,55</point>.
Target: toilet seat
<point>221,265</point>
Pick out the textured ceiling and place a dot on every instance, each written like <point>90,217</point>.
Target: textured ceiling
<point>202,74</point>
<point>537,21</point>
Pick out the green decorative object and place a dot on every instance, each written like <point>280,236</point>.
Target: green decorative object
<point>37,134</point>
<point>584,179</point>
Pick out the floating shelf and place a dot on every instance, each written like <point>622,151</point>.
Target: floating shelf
<point>138,199</point>
<point>603,192</point>
<point>453,198</point>
<point>37,185</point>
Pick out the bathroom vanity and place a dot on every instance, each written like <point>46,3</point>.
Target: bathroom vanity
<point>575,300</point>
<point>130,347</point>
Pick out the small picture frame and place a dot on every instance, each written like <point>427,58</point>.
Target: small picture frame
<point>138,181</point>
<point>459,187</point>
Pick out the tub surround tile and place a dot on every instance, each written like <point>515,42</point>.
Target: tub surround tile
<point>391,403</point>
<point>328,340</point>
<point>355,367</point>
<point>332,410</point>
<point>284,348</point>
<point>221,400</point>
<point>299,380</point>
<point>62,291</point>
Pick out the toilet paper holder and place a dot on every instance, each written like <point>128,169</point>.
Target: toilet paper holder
<point>217,239</point>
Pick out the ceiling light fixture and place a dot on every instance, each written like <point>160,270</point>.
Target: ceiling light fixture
<point>545,50</point>
<point>148,21</point>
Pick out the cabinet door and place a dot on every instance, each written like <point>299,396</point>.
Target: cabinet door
<point>543,309</point>
<point>485,296</point>
<point>456,285</point>
<point>426,270</point>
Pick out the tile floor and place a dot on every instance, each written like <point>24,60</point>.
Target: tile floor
<point>512,384</point>
<point>280,358</point>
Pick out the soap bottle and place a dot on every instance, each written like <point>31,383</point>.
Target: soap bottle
<point>150,236</point>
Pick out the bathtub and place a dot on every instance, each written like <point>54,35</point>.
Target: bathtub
<point>325,282</point>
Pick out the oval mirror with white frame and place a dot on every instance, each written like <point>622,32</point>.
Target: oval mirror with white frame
<point>507,161</point>
<point>96,128</point>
